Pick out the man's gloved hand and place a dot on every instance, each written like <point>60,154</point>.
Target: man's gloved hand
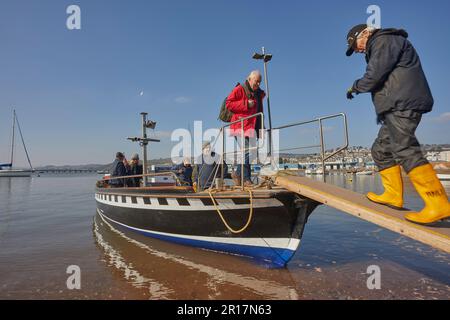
<point>350,93</point>
<point>194,186</point>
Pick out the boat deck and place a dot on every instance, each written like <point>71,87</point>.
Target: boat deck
<point>355,204</point>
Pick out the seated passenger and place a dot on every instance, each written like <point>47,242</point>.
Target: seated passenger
<point>205,168</point>
<point>134,170</point>
<point>184,172</point>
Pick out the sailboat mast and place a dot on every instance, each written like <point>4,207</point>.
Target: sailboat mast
<point>12,139</point>
<point>23,141</point>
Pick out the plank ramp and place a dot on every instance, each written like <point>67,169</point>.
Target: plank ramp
<point>355,204</point>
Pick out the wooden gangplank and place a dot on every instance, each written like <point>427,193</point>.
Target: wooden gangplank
<point>437,236</point>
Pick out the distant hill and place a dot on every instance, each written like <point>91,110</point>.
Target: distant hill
<point>94,167</point>
<point>97,167</point>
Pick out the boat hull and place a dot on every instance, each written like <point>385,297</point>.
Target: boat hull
<point>272,236</point>
<point>15,173</point>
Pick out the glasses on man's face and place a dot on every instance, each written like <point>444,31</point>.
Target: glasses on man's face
<point>362,34</point>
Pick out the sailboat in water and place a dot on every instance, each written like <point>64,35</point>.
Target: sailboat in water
<point>6,169</point>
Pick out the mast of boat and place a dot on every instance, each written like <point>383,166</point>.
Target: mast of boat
<point>23,141</point>
<point>143,142</point>
<point>12,138</point>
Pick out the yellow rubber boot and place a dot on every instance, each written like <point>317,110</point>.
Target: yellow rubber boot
<point>429,187</point>
<point>393,188</point>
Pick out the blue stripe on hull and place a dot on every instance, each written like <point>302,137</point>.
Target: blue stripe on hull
<point>274,257</point>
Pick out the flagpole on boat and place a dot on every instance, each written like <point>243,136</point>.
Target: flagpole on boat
<point>144,147</point>
<point>143,141</point>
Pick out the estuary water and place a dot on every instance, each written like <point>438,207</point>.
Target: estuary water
<point>49,223</point>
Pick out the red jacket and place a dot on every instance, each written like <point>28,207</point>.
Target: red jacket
<point>237,102</point>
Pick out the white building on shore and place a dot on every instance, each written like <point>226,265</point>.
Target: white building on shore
<point>435,156</point>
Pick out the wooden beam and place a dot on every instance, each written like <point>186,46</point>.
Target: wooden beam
<point>358,205</point>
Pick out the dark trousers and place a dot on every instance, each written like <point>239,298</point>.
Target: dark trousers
<point>397,143</point>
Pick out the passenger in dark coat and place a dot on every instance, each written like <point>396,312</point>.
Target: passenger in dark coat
<point>184,172</point>
<point>205,168</point>
<point>118,169</point>
<point>401,95</point>
<point>135,169</point>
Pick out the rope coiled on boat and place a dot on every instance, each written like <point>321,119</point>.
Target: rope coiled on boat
<point>223,219</point>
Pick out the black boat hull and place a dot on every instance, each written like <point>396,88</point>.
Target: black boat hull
<point>273,234</point>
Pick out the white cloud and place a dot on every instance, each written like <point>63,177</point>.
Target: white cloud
<point>182,99</point>
<point>444,117</point>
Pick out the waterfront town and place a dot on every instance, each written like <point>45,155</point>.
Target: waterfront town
<point>356,159</point>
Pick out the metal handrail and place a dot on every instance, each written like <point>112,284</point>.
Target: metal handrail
<point>243,148</point>
<point>322,144</point>
<point>156,174</point>
<point>295,124</point>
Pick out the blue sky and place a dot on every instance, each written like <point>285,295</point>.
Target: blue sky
<point>77,92</point>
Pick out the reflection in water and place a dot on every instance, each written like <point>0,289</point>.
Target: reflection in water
<point>173,270</point>
<point>156,290</point>
<point>7,184</point>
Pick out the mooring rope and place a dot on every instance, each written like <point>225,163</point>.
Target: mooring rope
<point>223,219</point>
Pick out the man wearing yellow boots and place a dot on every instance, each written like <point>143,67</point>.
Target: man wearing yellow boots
<point>401,94</point>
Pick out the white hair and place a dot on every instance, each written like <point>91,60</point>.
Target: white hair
<point>253,74</point>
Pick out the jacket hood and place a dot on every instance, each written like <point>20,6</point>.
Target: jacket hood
<point>391,31</point>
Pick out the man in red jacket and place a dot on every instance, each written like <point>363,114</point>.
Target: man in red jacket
<point>246,100</point>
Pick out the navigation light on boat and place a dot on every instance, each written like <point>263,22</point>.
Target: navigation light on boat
<point>150,124</point>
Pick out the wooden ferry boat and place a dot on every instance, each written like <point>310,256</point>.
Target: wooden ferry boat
<point>263,222</point>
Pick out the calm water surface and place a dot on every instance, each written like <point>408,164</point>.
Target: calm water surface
<point>48,223</point>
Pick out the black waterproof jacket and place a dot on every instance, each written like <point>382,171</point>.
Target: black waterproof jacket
<point>205,169</point>
<point>394,74</point>
<point>118,169</point>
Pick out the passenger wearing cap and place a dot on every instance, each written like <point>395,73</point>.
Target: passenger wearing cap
<point>401,95</point>
<point>118,169</point>
<point>135,169</point>
<point>205,168</point>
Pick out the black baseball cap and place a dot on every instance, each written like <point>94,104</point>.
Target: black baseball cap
<point>352,36</point>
